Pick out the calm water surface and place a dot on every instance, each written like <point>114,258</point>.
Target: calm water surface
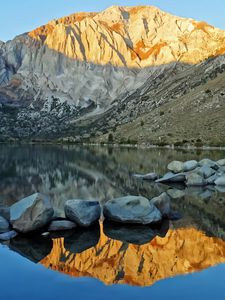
<point>183,258</point>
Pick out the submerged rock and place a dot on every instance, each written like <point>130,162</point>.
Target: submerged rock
<point>83,212</point>
<point>31,213</point>
<point>175,193</point>
<point>131,209</point>
<point>176,166</point>
<point>212,179</point>
<point>171,177</point>
<point>59,225</point>
<point>220,180</point>
<point>149,176</point>
<point>194,179</point>
<point>4,225</point>
<point>6,236</point>
<point>190,165</point>
<point>162,202</point>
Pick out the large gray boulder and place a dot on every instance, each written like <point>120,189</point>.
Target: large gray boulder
<point>148,176</point>
<point>131,209</point>
<point>4,225</point>
<point>60,225</point>
<point>205,171</point>
<point>83,212</point>
<point>171,177</point>
<point>220,180</point>
<point>208,162</point>
<point>194,179</point>
<point>176,166</point>
<point>162,202</point>
<point>190,165</point>
<point>31,213</point>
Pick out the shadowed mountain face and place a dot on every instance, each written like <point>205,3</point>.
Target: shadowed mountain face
<point>74,77</point>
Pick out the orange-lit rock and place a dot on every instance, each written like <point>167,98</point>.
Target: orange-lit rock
<point>182,251</point>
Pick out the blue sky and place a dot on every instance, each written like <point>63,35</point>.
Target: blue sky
<point>18,16</point>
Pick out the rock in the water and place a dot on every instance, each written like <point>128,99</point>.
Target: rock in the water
<point>149,176</point>
<point>5,212</point>
<point>208,162</point>
<point>176,166</point>
<point>194,179</point>
<point>31,213</point>
<point>220,180</point>
<point>162,202</point>
<point>190,165</point>
<point>221,162</point>
<point>131,209</point>
<point>83,212</point>
<point>175,193</point>
<point>59,225</point>
<point>205,171</point>
<point>4,225</point>
<point>6,236</point>
<point>171,177</point>
<point>212,179</point>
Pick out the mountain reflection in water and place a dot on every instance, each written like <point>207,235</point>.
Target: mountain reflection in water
<point>135,255</point>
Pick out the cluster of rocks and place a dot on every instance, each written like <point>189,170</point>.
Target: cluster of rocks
<point>192,173</point>
<point>35,213</point>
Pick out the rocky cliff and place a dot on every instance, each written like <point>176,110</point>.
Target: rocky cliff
<point>79,67</point>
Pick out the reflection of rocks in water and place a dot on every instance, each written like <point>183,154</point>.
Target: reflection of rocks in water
<point>33,248</point>
<point>134,234</point>
<point>181,251</point>
<point>82,239</point>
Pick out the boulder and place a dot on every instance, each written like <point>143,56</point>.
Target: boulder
<point>220,180</point>
<point>190,165</point>
<point>175,193</point>
<point>221,162</point>
<point>83,212</point>
<point>4,225</point>
<point>208,162</point>
<point>31,213</point>
<point>171,177</point>
<point>6,236</point>
<point>59,225</point>
<point>176,166</point>
<point>131,209</point>
<point>162,202</point>
<point>211,179</point>
<point>205,171</point>
<point>194,179</point>
<point>149,176</point>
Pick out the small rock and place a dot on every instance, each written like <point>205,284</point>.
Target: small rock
<point>205,171</point>
<point>175,193</point>
<point>221,162</point>
<point>59,225</point>
<point>31,213</point>
<point>4,225</point>
<point>171,177</point>
<point>162,202</point>
<point>194,179</point>
<point>211,179</point>
<point>8,235</point>
<point>131,209</point>
<point>176,166</point>
<point>83,212</point>
<point>190,165</point>
<point>149,176</point>
<point>45,234</point>
<point>220,180</point>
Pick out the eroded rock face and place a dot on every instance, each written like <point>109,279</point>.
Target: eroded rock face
<point>31,213</point>
<point>83,212</point>
<point>131,209</point>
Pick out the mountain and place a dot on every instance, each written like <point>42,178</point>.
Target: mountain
<point>86,75</point>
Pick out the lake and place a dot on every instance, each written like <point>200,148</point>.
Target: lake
<point>183,258</point>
